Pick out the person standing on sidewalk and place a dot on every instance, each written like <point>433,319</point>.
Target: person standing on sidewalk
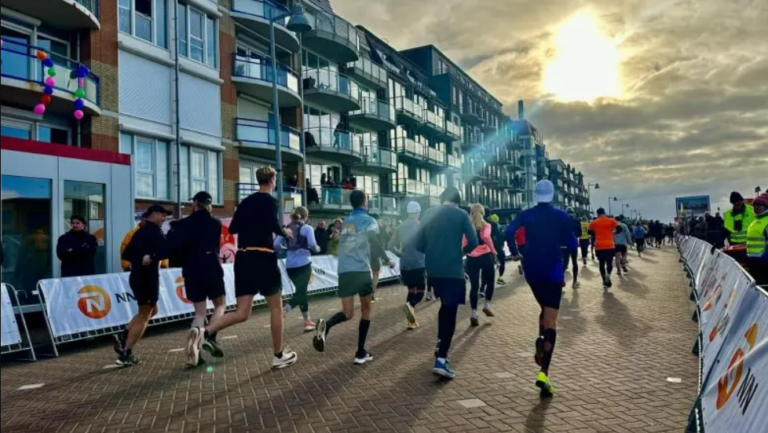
<point>148,247</point>
<point>77,250</point>
<point>412,267</point>
<point>480,264</point>
<point>440,239</point>
<point>359,241</point>
<point>546,229</point>
<point>603,228</point>
<point>298,264</point>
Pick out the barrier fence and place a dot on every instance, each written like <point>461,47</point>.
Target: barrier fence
<point>12,338</point>
<point>87,307</point>
<point>732,312</point>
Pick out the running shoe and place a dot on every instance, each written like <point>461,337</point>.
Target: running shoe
<point>288,359</point>
<point>193,347</point>
<point>443,369</point>
<point>127,360</point>
<point>585,261</point>
<point>500,282</point>
<point>520,269</point>
<point>576,285</point>
<point>474,321</point>
<point>410,315</point>
<point>211,346</point>
<point>361,360</point>
<point>413,326</point>
<point>319,340</point>
<point>120,341</point>
<point>539,356</point>
<point>487,310</point>
<point>309,326</point>
<point>481,294</point>
<point>542,381</point>
<point>626,270</point>
<point>428,297</point>
<point>610,283</point>
<point>373,299</point>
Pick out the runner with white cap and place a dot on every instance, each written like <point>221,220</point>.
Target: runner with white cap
<point>412,266</point>
<point>546,230</point>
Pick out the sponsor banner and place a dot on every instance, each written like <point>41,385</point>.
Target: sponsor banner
<point>736,394</point>
<point>10,329</point>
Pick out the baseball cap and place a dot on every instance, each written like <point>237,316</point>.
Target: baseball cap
<point>156,208</point>
<point>203,197</point>
<point>544,191</point>
<point>414,207</point>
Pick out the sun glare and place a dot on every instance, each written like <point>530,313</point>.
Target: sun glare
<point>586,64</point>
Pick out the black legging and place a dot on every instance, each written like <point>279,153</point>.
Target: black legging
<point>300,278</point>
<point>476,265</point>
<point>606,262</point>
<point>573,256</point>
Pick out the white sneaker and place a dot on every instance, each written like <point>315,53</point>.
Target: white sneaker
<point>193,346</point>
<point>576,285</point>
<point>364,360</point>
<point>289,358</point>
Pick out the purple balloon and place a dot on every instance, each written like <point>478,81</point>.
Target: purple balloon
<point>48,63</point>
<point>48,90</point>
<point>79,104</point>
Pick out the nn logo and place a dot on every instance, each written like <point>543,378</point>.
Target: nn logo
<point>94,302</point>
<point>181,291</point>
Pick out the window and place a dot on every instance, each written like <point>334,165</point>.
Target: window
<point>143,16</point>
<point>144,19</point>
<point>124,12</point>
<point>197,36</point>
<point>16,129</point>
<point>52,134</point>
<point>151,166</point>
<point>200,171</point>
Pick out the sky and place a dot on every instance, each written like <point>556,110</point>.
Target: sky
<point>652,99</point>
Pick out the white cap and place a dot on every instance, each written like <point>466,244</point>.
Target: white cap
<point>414,207</point>
<point>544,191</point>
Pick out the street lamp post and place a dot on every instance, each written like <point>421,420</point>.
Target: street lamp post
<point>297,23</point>
<point>589,193</point>
<point>610,210</point>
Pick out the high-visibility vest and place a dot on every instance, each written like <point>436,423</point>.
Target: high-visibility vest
<point>757,241</point>
<point>584,230</point>
<point>746,218</point>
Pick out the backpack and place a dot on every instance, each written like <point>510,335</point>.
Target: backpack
<point>299,241</point>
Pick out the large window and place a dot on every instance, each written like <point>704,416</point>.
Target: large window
<point>151,165</point>
<point>144,19</point>
<point>200,171</point>
<point>88,200</point>
<point>29,130</point>
<point>197,36</point>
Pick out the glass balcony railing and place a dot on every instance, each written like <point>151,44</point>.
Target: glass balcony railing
<point>382,203</point>
<point>260,9</point>
<point>436,155</point>
<point>409,146</point>
<point>452,128</point>
<point>246,189</point>
<point>454,162</point>
<point>333,80</point>
<point>410,107</point>
<point>434,190</point>
<point>91,5</point>
<point>375,107</point>
<point>335,26</point>
<point>330,138</point>
<point>370,69</point>
<point>261,132</point>
<point>374,155</point>
<point>333,198</point>
<point>434,120</point>
<point>20,63</point>
<point>258,68</point>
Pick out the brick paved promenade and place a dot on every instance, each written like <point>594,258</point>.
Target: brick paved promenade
<point>614,355</point>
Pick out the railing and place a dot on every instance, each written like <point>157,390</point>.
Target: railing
<point>410,146</point>
<point>334,25</point>
<point>434,120</point>
<point>452,128</point>
<point>382,203</point>
<point>330,79</point>
<point>434,190</point>
<point>20,62</point>
<point>91,5</point>
<point>331,139</point>
<point>376,108</point>
<point>436,155</point>
<point>454,162</point>
<point>263,132</point>
<point>369,68</point>
<point>333,198</point>
<point>261,9</point>
<point>411,187</point>
<point>246,189</point>
<point>410,107</point>
<point>259,68</point>
<point>373,155</point>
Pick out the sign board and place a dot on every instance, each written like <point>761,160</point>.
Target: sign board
<point>692,207</point>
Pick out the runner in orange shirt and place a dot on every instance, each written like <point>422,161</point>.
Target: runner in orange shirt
<point>603,228</point>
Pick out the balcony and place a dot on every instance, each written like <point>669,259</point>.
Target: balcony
<point>383,204</point>
<point>332,37</point>
<point>409,148</point>
<point>295,195</point>
<point>436,157</point>
<point>332,199</point>
<point>491,177</point>
<point>433,123</point>
<point>255,15</point>
<point>472,141</point>
<point>253,76</point>
<point>377,160</point>
<point>408,111</point>
<point>452,130</point>
<point>412,188</point>
<point>434,191</point>
<point>473,170</point>
<point>23,75</point>
<point>454,163</point>
<point>63,14</point>
<point>471,117</point>
<point>368,73</point>
<point>331,90</point>
<point>374,115</point>
<point>501,157</point>
<point>332,145</point>
<point>257,138</point>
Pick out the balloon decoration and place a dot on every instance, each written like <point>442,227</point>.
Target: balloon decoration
<point>81,73</point>
<point>49,82</point>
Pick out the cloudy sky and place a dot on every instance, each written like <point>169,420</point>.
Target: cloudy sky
<point>656,99</point>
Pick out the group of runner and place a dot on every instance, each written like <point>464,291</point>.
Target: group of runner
<point>432,252</point>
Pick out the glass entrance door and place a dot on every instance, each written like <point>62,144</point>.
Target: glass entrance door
<point>88,200</point>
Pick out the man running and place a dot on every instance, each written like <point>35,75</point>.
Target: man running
<point>498,242</point>
<point>412,267</point>
<point>520,242</point>
<point>546,230</point>
<point>359,242</point>
<point>569,255</point>
<point>622,239</point>
<point>639,234</point>
<point>256,268</point>
<point>584,242</point>
<point>196,241</point>
<point>147,248</point>
<point>440,239</point>
<point>603,228</point>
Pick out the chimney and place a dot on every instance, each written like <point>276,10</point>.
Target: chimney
<point>521,109</point>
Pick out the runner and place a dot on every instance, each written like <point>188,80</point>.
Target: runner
<point>298,264</point>
<point>256,269</point>
<point>603,228</point>
<point>359,241</point>
<point>570,255</point>
<point>412,265</point>
<point>520,242</point>
<point>147,248</point>
<point>498,244</point>
<point>481,261</point>
<point>592,240</point>
<point>546,230</point>
<point>670,232</point>
<point>584,242</point>
<point>622,239</point>
<point>440,239</point>
<point>196,242</point>
<point>639,234</point>
<point>659,234</point>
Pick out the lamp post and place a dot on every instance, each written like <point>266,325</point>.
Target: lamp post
<point>624,206</point>
<point>610,210</point>
<point>589,193</point>
<point>297,23</point>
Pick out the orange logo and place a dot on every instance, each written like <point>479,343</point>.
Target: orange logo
<point>181,292</point>
<point>726,388</point>
<point>94,302</point>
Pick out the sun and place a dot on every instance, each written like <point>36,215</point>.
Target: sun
<point>586,65</point>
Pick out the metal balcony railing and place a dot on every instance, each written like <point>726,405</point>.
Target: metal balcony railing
<point>334,25</point>
<point>409,107</point>
<point>246,189</point>
<point>263,133</point>
<point>260,68</point>
<point>375,107</point>
<point>333,80</point>
<point>369,68</point>
<point>331,138</point>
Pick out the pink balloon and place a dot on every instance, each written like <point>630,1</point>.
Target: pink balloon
<point>79,114</point>
<point>50,81</point>
<point>39,109</point>
<point>81,82</point>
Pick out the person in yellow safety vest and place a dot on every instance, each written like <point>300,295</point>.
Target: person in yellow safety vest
<point>738,219</point>
<point>584,242</point>
<point>126,265</point>
<point>757,241</point>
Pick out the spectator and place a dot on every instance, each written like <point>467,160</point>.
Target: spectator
<point>333,238</point>
<point>293,182</point>
<point>348,184</point>
<point>700,229</point>
<point>322,238</point>
<point>77,250</point>
<point>312,197</point>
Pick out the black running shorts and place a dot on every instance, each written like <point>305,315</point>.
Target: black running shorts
<point>202,286</point>
<point>451,291</point>
<point>621,249</point>
<point>548,294</point>
<point>414,278</point>
<point>257,273</point>
<point>355,284</point>
<point>145,286</point>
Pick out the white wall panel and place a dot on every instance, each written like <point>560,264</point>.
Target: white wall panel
<point>247,109</point>
<point>145,88</point>
<point>200,105</point>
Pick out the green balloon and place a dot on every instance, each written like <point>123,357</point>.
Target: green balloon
<point>80,93</point>
<point>52,72</point>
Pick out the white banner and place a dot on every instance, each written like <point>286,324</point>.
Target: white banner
<point>10,329</point>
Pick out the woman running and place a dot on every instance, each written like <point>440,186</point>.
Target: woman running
<point>481,261</point>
